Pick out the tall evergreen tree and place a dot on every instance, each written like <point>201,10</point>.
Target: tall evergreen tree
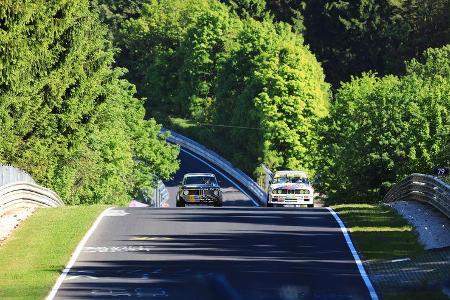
<point>65,114</point>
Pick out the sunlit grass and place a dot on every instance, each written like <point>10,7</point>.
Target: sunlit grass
<point>381,229</point>
<point>378,231</point>
<point>33,257</point>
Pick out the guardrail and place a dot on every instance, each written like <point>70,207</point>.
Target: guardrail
<point>424,188</point>
<point>159,196</point>
<point>219,161</point>
<point>19,193</point>
<point>10,174</point>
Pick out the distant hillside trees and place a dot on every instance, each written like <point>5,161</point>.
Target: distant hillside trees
<point>383,129</point>
<point>206,63</point>
<point>66,116</point>
<point>354,36</point>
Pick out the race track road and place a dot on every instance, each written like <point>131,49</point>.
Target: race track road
<point>215,253</point>
<point>236,252</point>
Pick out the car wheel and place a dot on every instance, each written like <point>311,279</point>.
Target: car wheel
<point>181,203</point>
<point>269,204</point>
<point>310,205</point>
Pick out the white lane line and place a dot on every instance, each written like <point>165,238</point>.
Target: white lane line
<point>75,255</point>
<point>228,178</point>
<point>361,269</point>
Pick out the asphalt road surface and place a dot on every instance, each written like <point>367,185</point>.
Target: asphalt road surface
<point>231,189</point>
<point>215,253</point>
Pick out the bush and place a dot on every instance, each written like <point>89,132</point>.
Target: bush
<point>383,129</point>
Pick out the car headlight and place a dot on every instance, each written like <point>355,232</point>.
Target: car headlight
<point>185,192</point>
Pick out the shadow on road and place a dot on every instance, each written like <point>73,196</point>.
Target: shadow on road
<point>220,254</point>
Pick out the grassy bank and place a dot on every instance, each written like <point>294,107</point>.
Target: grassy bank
<point>33,257</point>
<point>381,235</point>
<point>379,232</point>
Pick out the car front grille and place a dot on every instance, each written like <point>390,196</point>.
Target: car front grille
<point>194,192</point>
<point>292,192</point>
<point>201,192</point>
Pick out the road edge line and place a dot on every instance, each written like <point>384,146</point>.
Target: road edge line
<point>75,255</point>
<point>212,167</point>
<point>352,248</point>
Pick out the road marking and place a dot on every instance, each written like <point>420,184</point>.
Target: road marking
<point>400,260</point>
<point>150,238</point>
<point>363,273</point>
<point>75,255</point>
<point>116,213</point>
<point>80,276</point>
<point>230,180</point>
<point>116,249</point>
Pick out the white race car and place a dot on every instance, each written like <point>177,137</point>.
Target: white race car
<point>290,189</point>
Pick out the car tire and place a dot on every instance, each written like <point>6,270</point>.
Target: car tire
<point>310,205</point>
<point>269,204</point>
<point>218,204</point>
<point>181,203</point>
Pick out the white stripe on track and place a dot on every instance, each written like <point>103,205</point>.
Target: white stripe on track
<point>75,255</point>
<point>229,179</point>
<point>361,269</point>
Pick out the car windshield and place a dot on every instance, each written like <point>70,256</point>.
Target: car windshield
<point>291,180</point>
<point>208,180</point>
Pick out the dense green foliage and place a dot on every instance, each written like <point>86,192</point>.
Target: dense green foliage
<point>353,36</point>
<point>235,68</point>
<point>66,116</point>
<point>382,129</point>
<point>206,63</point>
<point>271,81</point>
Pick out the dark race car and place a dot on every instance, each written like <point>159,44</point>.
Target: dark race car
<point>199,188</point>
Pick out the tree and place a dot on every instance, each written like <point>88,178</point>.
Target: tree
<point>65,115</point>
<point>271,82</point>
<point>152,49</point>
<point>383,129</point>
<point>203,50</point>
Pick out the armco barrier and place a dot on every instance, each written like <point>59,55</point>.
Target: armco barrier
<point>19,193</point>
<point>159,196</point>
<point>424,188</point>
<point>9,174</point>
<point>219,161</point>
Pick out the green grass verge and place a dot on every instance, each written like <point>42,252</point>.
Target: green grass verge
<point>34,255</point>
<point>379,232</point>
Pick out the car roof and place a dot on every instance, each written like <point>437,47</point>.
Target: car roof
<point>290,173</point>
<point>199,174</point>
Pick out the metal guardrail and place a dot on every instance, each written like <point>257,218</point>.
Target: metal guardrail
<point>18,188</point>
<point>19,193</point>
<point>159,196</point>
<point>219,161</point>
<point>424,188</point>
<point>10,174</point>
